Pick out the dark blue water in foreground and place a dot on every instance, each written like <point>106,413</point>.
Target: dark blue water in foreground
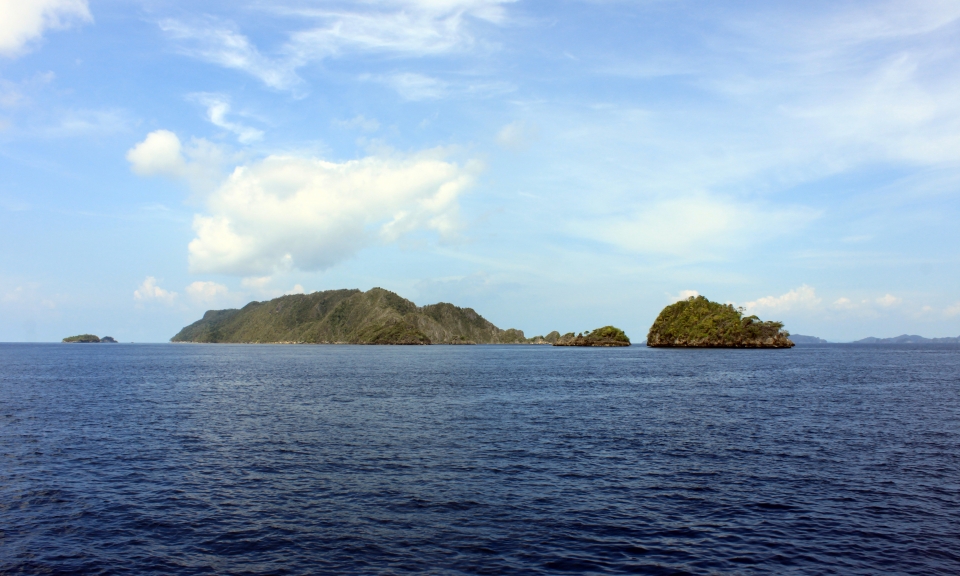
<point>180,459</point>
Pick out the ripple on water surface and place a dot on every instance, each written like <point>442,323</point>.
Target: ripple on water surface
<point>214,459</point>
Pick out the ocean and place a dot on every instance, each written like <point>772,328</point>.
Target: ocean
<point>272,459</point>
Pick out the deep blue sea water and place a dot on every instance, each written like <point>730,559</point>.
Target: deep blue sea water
<point>220,459</point>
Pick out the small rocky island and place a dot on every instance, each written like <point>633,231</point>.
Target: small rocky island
<point>376,316</point>
<point>89,339</point>
<point>606,337</point>
<point>700,323</point>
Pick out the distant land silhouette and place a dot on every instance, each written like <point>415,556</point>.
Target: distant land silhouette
<point>909,339</point>
<point>801,339</point>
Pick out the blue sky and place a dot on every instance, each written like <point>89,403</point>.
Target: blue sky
<point>554,165</point>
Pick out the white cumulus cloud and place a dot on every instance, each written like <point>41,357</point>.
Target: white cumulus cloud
<point>262,287</point>
<point>22,21</point>
<point>683,295</point>
<point>201,291</point>
<point>149,291</point>
<point>953,310</point>
<point>288,212</point>
<point>844,303</point>
<point>162,154</point>
<point>888,300</point>
<point>802,297</point>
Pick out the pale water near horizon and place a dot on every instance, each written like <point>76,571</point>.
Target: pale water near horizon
<point>243,459</point>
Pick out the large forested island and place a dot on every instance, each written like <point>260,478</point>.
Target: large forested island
<point>700,323</point>
<point>376,316</point>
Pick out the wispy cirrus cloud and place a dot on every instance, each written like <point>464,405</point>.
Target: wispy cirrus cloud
<point>518,135</point>
<point>218,106</point>
<point>359,122</point>
<point>411,28</point>
<point>701,226</point>
<point>817,91</point>
<point>406,27</point>
<point>221,43</point>
<point>414,86</point>
<point>90,123</point>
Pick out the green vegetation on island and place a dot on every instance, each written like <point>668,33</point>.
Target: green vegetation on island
<point>89,339</point>
<point>83,339</point>
<point>377,316</point>
<point>700,323</point>
<point>608,336</point>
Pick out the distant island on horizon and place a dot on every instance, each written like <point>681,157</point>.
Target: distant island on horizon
<point>89,339</point>
<point>377,316</point>
<point>908,339</point>
<point>800,339</point>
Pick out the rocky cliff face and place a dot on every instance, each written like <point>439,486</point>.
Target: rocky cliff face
<point>377,316</point>
<point>700,323</point>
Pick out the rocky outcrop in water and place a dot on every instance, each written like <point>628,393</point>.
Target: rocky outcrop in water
<point>700,323</point>
<point>606,337</point>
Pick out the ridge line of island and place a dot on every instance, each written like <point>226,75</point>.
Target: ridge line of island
<point>379,316</point>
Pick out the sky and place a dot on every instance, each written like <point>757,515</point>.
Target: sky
<point>555,165</point>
